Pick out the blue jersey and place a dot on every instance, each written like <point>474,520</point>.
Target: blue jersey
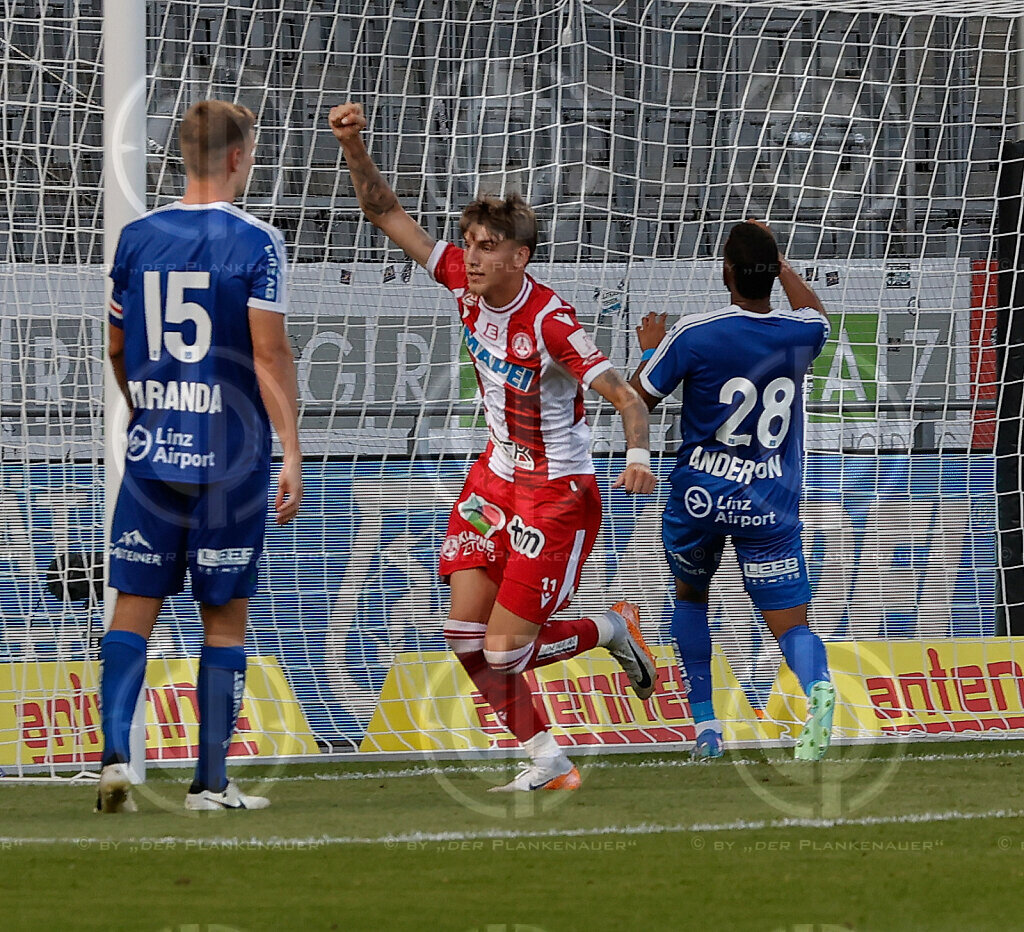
<point>740,465</point>
<point>184,278</point>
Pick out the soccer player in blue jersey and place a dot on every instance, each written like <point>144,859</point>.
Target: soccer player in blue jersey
<point>739,472</point>
<point>199,348</point>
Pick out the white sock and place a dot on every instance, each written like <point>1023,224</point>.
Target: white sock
<point>542,745</point>
<point>605,630</point>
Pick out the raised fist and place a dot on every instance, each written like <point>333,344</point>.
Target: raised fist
<point>347,121</point>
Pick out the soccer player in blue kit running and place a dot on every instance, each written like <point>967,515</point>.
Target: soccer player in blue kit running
<point>199,349</point>
<point>739,471</point>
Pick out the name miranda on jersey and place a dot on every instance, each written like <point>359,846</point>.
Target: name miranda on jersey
<point>734,468</point>
<point>176,396</point>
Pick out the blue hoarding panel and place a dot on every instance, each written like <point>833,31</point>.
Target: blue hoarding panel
<point>897,546</point>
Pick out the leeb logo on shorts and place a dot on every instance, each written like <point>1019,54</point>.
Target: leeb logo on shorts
<point>140,442</point>
<point>697,501</point>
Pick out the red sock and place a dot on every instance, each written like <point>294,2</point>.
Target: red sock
<point>508,695</point>
<point>560,640</point>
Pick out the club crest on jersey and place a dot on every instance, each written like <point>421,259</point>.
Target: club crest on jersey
<point>529,541</point>
<point>488,519</point>
<point>516,376</point>
<point>522,345</point>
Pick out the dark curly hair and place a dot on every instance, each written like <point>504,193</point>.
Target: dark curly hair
<point>753,255</point>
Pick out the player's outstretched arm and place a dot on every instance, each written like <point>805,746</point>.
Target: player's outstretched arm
<point>798,292</point>
<point>377,200</point>
<point>275,372</point>
<point>650,333</point>
<point>637,476</point>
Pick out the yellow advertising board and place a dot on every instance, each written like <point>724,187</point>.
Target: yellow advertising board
<point>50,714</point>
<point>884,688</point>
<point>912,687</point>
<point>429,704</point>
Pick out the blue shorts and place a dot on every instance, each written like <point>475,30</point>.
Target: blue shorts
<point>773,567</point>
<point>215,531</point>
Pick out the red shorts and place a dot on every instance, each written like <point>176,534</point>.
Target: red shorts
<point>531,540</point>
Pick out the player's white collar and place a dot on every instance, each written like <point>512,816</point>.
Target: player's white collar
<point>516,303</point>
<point>759,315</point>
<point>210,205</point>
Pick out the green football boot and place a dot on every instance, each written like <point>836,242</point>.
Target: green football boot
<point>817,732</point>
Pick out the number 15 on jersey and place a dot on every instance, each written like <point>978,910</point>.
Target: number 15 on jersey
<point>177,311</point>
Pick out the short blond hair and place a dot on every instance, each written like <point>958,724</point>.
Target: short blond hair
<point>208,130</point>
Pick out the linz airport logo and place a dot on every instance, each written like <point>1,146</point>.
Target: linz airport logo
<point>140,442</point>
<point>529,541</point>
<point>698,501</point>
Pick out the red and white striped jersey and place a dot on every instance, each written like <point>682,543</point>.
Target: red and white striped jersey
<point>532,360</point>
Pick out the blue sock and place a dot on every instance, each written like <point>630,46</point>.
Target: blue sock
<point>692,634</point>
<point>123,655</point>
<point>219,690</point>
<point>805,655</point>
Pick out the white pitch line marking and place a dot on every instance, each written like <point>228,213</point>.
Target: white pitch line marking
<point>407,838</point>
<point>611,764</point>
<point>618,764</point>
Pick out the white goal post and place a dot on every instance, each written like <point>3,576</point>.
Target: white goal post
<point>124,199</point>
<point>875,137</point>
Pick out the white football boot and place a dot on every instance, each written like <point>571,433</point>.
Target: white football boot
<point>231,797</point>
<point>115,790</point>
<point>546,773</point>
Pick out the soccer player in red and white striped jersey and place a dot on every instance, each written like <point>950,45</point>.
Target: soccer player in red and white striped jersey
<point>530,510</point>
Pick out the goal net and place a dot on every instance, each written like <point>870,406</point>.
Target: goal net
<point>872,136</point>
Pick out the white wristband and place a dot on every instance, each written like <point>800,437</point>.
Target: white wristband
<point>638,456</point>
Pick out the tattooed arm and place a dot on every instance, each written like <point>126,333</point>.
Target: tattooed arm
<point>637,476</point>
<point>377,200</point>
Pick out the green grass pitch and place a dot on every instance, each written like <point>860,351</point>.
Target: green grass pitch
<point>913,836</point>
